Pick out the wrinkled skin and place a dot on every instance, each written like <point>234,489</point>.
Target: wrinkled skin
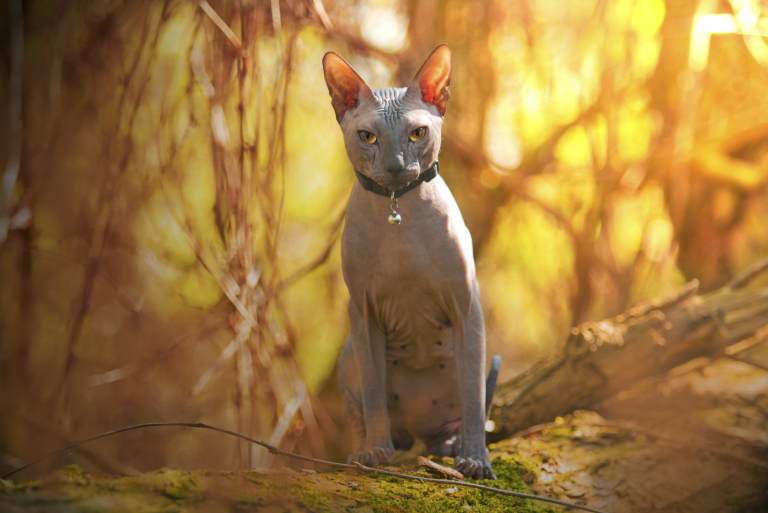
<point>412,367</point>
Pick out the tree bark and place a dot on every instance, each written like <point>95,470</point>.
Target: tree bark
<point>603,358</point>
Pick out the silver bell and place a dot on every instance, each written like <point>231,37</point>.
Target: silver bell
<point>394,217</point>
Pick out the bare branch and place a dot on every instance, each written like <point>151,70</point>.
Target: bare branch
<point>317,262</point>
<point>107,193</point>
<point>749,274</point>
<point>748,361</point>
<point>225,355</point>
<point>207,9</point>
<point>225,287</point>
<point>320,9</point>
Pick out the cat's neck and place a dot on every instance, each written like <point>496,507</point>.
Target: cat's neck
<point>371,186</point>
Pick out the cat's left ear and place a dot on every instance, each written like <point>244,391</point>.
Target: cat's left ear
<point>432,81</point>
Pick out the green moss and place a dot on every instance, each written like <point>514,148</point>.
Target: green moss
<point>396,494</point>
<point>73,489</point>
<point>311,498</point>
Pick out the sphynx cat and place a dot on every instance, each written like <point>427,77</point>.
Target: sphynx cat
<point>412,366</point>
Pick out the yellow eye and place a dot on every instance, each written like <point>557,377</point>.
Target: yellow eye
<point>418,134</point>
<point>366,137</point>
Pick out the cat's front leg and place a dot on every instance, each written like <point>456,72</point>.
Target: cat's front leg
<point>369,346</point>
<point>472,460</point>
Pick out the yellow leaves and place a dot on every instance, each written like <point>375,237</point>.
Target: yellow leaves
<point>715,164</point>
<point>658,239</point>
<point>647,16</point>
<point>501,143</point>
<point>645,56</point>
<point>199,187</point>
<point>634,135</point>
<point>490,178</point>
<point>640,221</point>
<point>508,46</point>
<point>524,272</point>
<point>199,289</point>
<point>573,148</point>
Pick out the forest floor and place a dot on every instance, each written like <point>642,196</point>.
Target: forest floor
<point>690,453</point>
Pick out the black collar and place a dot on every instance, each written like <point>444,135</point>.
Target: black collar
<point>370,185</point>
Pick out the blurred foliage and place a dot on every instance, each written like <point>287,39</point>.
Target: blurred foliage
<point>169,248</point>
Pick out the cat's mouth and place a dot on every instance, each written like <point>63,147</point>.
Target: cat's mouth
<point>395,185</point>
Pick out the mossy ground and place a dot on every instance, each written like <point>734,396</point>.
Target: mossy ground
<point>73,489</point>
<point>609,469</point>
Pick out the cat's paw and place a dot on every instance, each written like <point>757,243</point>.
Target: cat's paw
<point>372,457</point>
<point>478,467</point>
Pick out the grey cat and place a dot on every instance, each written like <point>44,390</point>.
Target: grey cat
<point>412,367</point>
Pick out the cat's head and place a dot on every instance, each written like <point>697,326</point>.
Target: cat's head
<point>391,135</point>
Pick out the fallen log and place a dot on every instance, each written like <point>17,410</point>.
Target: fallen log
<point>601,359</point>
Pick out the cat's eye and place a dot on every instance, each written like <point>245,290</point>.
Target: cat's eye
<point>418,134</point>
<point>366,137</point>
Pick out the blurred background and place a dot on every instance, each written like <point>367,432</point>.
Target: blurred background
<point>175,183</point>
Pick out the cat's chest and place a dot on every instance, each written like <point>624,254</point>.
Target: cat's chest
<point>422,247</point>
<point>407,273</point>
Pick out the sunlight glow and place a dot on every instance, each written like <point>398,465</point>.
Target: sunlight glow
<point>385,28</point>
<point>715,24</point>
<point>747,22</point>
<point>502,145</point>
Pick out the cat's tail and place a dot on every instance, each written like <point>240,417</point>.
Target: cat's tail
<point>490,384</point>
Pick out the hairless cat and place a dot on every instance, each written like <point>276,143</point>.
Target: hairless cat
<point>412,366</point>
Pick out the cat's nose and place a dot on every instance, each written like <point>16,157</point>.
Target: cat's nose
<point>395,172</point>
<point>395,166</point>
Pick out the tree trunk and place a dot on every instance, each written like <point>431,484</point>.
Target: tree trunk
<point>603,358</point>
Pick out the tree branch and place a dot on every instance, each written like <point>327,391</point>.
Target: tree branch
<point>603,358</point>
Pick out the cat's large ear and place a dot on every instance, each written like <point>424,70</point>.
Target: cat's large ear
<point>432,81</point>
<point>346,87</point>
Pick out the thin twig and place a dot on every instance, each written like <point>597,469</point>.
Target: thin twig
<point>219,280</point>
<point>320,9</point>
<point>665,303</point>
<point>207,9</point>
<point>275,450</point>
<point>108,189</point>
<point>107,463</point>
<point>223,358</point>
<point>754,404</point>
<point>749,274</point>
<point>317,262</point>
<point>749,361</point>
<point>474,485</point>
<point>286,416</point>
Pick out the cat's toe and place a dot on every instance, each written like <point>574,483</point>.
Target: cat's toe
<point>371,457</point>
<point>475,468</point>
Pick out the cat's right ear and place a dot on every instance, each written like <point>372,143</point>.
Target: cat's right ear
<point>345,86</point>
